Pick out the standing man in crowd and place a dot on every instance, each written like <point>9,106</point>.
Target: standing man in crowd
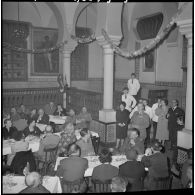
<point>174,113</point>
<point>148,110</point>
<point>155,117</point>
<point>128,99</point>
<point>133,86</point>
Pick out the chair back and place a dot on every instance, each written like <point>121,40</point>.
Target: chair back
<point>70,186</point>
<point>101,186</point>
<point>162,183</point>
<point>134,184</point>
<point>50,154</point>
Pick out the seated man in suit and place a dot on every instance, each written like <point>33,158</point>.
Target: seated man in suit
<point>49,140</point>
<point>157,164</point>
<point>105,171</point>
<point>133,171</point>
<point>42,117</point>
<point>33,181</point>
<point>133,141</point>
<point>50,108</point>
<point>73,168</point>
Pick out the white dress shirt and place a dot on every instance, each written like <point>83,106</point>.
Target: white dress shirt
<point>148,110</point>
<point>129,100</point>
<point>154,117</point>
<point>131,114</point>
<point>133,86</point>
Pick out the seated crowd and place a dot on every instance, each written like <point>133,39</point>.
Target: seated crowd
<point>145,163</point>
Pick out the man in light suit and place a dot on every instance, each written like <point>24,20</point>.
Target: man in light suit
<point>133,85</point>
<point>50,108</point>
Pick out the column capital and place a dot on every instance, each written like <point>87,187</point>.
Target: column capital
<point>104,43</point>
<point>185,28</point>
<point>69,47</point>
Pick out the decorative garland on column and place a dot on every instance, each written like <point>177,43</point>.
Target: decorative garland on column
<point>152,45</point>
<point>62,86</point>
<point>34,51</point>
<point>89,39</point>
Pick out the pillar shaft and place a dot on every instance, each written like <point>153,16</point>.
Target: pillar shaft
<point>108,78</point>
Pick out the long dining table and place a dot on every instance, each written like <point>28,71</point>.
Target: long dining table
<point>93,161</point>
<point>34,142</point>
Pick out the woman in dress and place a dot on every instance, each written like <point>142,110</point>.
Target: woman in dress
<point>122,120</point>
<point>140,120</point>
<point>67,137</point>
<point>162,133</point>
<point>83,119</point>
<point>32,129</point>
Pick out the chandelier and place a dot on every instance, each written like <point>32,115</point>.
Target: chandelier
<point>19,30</point>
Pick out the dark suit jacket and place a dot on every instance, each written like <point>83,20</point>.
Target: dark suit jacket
<point>44,119</point>
<point>139,146</point>
<point>36,132</point>
<point>157,165</point>
<point>104,172</point>
<point>72,168</point>
<point>62,113</point>
<point>172,119</point>
<point>39,189</point>
<point>9,134</point>
<point>133,170</point>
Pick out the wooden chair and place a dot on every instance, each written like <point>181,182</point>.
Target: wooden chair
<point>70,186</point>
<point>50,159</point>
<point>101,187</point>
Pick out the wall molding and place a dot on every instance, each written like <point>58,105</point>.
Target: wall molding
<point>169,84</point>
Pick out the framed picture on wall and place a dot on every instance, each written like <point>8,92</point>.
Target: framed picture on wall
<point>45,64</point>
<point>149,61</point>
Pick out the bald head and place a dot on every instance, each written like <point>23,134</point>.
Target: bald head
<point>33,179</point>
<point>48,129</point>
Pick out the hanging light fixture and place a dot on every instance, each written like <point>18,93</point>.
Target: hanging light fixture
<point>19,31</point>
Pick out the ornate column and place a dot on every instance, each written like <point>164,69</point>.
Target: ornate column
<point>185,137</point>
<point>66,54</point>
<point>107,114</point>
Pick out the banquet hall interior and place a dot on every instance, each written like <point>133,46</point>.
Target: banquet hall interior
<point>96,97</point>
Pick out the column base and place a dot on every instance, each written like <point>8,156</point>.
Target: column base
<point>107,116</point>
<point>184,138</point>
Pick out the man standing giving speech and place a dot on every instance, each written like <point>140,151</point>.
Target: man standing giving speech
<point>133,85</point>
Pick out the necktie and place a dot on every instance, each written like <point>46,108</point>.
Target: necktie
<point>125,96</point>
<point>132,81</point>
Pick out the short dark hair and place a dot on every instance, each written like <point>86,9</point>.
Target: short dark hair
<point>84,132</point>
<point>73,148</point>
<point>135,130</point>
<point>156,145</point>
<point>131,154</point>
<point>105,156</point>
<point>123,103</point>
<point>6,120</point>
<point>133,74</point>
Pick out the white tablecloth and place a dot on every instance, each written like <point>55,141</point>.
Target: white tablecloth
<point>33,145</point>
<point>93,161</point>
<point>58,120</point>
<point>50,183</point>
